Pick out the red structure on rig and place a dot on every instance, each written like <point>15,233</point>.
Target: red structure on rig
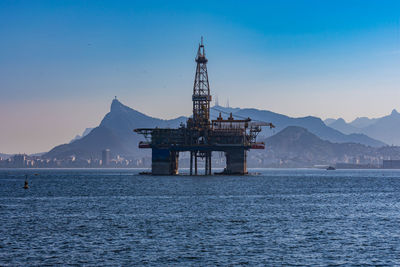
<point>200,136</point>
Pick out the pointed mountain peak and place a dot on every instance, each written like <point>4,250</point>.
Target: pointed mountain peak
<point>116,105</point>
<point>394,112</point>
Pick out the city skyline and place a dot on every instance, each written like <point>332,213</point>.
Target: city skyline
<point>62,63</point>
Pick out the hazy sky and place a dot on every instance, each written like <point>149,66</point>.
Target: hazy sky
<point>62,62</point>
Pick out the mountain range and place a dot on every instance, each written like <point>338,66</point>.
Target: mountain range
<point>297,147</point>
<point>115,131</point>
<point>313,124</point>
<point>385,129</point>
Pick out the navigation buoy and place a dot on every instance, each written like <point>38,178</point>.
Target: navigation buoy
<point>26,185</point>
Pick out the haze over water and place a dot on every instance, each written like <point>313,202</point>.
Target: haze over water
<point>279,217</point>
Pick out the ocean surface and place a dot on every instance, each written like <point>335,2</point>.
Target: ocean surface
<point>271,218</point>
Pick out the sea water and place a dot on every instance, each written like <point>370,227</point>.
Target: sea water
<point>275,217</point>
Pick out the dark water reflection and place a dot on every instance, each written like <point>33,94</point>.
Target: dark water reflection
<point>280,217</point>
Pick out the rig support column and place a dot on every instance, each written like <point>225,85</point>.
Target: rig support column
<point>206,164</point>
<point>195,163</point>
<point>191,163</point>
<point>174,162</point>
<point>236,161</point>
<point>209,163</point>
<point>164,162</point>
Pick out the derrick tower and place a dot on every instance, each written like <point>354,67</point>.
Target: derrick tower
<point>201,91</point>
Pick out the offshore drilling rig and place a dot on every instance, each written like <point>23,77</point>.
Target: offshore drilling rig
<point>200,136</point>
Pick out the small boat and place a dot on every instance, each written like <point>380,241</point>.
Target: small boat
<point>330,168</point>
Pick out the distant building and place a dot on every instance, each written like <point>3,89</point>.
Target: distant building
<point>19,161</point>
<point>105,157</point>
<point>391,164</point>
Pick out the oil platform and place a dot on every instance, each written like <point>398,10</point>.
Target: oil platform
<point>200,136</point>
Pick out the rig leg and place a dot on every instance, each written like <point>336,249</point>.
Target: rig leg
<point>236,161</point>
<point>191,163</point>
<point>209,163</point>
<point>206,164</point>
<point>174,162</point>
<point>195,163</point>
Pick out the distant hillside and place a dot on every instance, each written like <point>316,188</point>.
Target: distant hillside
<point>297,147</point>
<point>386,129</point>
<point>303,147</point>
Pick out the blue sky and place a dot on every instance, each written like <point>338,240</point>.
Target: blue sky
<point>62,62</point>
